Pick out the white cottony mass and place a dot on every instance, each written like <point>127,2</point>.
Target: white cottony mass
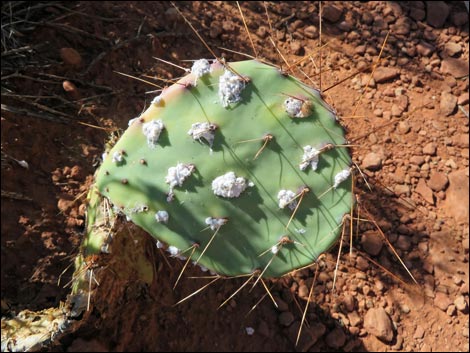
<point>200,68</point>
<point>341,176</point>
<point>203,130</point>
<point>177,175</point>
<point>215,223</point>
<point>228,185</point>
<point>286,198</point>
<point>230,88</point>
<point>152,131</point>
<point>162,216</point>
<point>309,158</point>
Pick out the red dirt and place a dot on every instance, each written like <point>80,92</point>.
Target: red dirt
<point>420,142</point>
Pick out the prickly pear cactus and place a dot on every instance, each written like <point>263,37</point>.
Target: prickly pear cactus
<point>239,166</point>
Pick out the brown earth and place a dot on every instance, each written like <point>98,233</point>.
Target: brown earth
<point>410,131</point>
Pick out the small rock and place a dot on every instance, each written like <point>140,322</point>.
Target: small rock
<point>349,302</point>
<point>438,181</point>
<point>303,291</point>
<point>404,127</point>
<point>262,32</point>
<point>451,310</point>
<point>448,103</point>
<point>354,319</point>
<point>367,18</point>
<point>402,101</point>
<point>379,285</point>
<point>417,14</point>
<point>459,18</point>
<point>451,163</point>
<point>396,111</point>
<point>311,32</point>
<point>360,50</point>
<point>331,13</point>
<point>384,74</point>
<point>286,318</point>
<point>402,189</point>
<point>437,13</point>
<point>361,264</point>
<point>463,99</point>
<point>419,332</point>
<point>345,26</point>
<point>308,337</point>
<point>456,67</point>
<point>371,243</point>
<point>403,242</point>
<point>457,196</point>
<point>418,160</point>
<point>442,301</point>
<point>460,140</point>
<point>297,48</point>
<point>466,245</point>
<point>65,204</point>
<point>378,323</point>
<point>71,56</point>
<point>399,344</point>
<point>425,191</point>
<point>215,29</point>
<point>402,26</point>
<point>405,309</point>
<point>452,49</point>
<point>430,149</point>
<point>465,332</point>
<point>228,26</point>
<point>389,92</point>
<point>71,89</point>
<point>425,49</point>
<point>461,304</point>
<point>336,338</point>
<point>372,161</point>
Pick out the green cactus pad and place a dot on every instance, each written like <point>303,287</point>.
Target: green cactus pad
<point>212,155</point>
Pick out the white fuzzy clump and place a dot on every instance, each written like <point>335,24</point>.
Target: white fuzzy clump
<point>215,223</point>
<point>105,248</point>
<point>104,155</point>
<point>203,268</point>
<point>228,185</point>
<point>200,68</point>
<point>275,249</point>
<point>285,198</point>
<point>297,108</point>
<point>152,131</point>
<point>341,176</point>
<point>117,157</point>
<point>160,245</point>
<point>177,175</point>
<point>230,88</point>
<point>249,331</point>
<point>162,216</point>
<point>157,100</point>
<point>138,208</point>
<point>173,250</point>
<point>132,121</point>
<point>309,158</point>
<point>203,130</point>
